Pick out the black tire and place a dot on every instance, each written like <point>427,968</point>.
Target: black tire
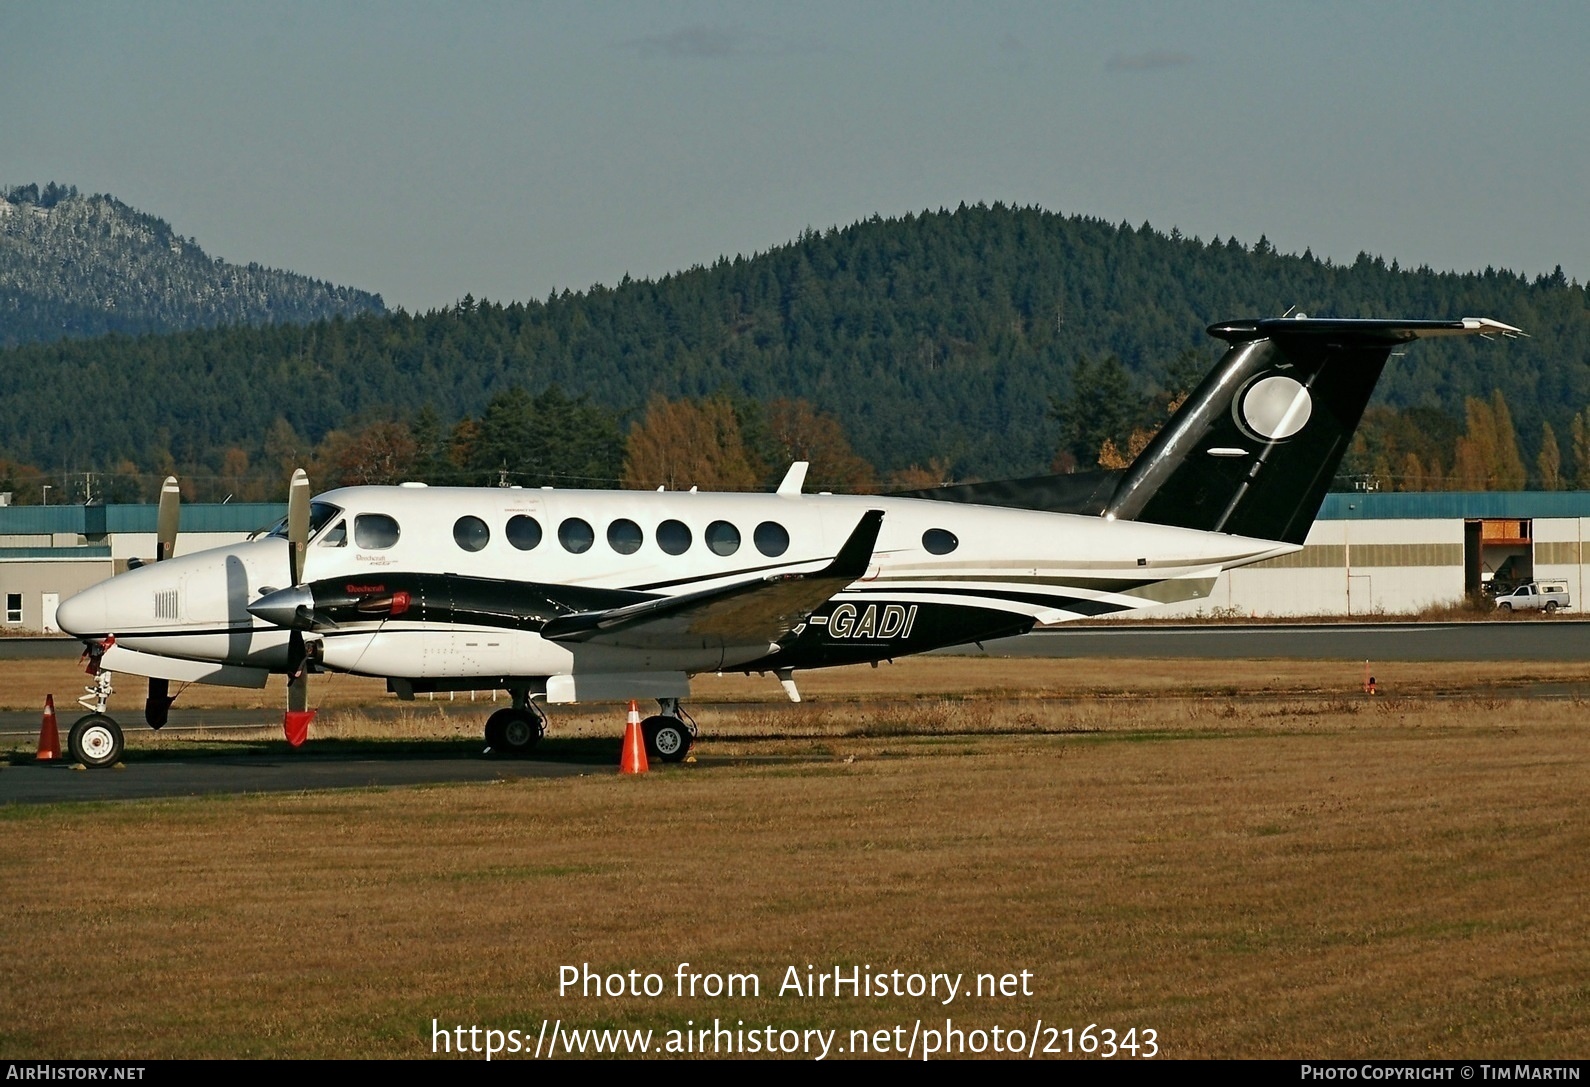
<point>514,733</point>
<point>668,739</point>
<point>1505,606</point>
<point>494,726</point>
<point>95,741</point>
<point>1551,607</point>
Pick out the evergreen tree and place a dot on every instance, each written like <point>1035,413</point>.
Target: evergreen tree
<point>1548,465</point>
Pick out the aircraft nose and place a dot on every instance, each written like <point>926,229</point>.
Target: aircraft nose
<point>83,614</point>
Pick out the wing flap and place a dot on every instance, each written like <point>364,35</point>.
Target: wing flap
<point>755,612</point>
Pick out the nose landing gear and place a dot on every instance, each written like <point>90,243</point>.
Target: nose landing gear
<point>96,740</point>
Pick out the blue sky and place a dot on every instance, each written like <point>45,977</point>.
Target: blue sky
<point>426,151</point>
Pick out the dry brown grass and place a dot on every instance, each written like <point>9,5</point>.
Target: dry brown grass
<point>1308,873</point>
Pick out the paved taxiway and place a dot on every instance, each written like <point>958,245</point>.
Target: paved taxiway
<point>1537,639</point>
<point>202,775</point>
<point>1523,638</point>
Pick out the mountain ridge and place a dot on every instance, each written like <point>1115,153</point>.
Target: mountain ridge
<point>73,266</point>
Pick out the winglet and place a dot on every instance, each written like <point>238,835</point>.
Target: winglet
<point>794,478</point>
<point>856,555</point>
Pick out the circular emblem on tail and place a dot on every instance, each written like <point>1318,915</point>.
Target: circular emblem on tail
<point>1274,408</point>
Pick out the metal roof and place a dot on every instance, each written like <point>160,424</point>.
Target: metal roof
<point>1424,505</point>
<point>98,520</point>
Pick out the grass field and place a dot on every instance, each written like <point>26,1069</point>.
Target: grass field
<point>1254,861</point>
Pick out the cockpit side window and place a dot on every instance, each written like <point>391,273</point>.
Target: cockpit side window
<point>375,531</point>
<point>336,536</point>
<point>320,515</point>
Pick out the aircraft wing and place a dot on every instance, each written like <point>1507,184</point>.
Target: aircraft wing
<point>756,612</point>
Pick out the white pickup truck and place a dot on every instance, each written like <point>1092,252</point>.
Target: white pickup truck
<point>1545,596</point>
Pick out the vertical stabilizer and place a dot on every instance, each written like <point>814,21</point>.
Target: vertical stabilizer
<point>1253,450</point>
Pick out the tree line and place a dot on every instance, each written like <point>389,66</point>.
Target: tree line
<point>939,343</point>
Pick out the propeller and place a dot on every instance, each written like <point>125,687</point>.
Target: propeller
<point>295,722</point>
<point>157,707</point>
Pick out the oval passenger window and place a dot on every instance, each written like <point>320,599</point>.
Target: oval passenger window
<point>576,535</point>
<point>723,538</point>
<point>673,537</point>
<point>624,536</point>
<point>939,541</point>
<point>471,533</point>
<point>524,532</point>
<point>772,539</point>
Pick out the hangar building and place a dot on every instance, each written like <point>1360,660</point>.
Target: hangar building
<point>1383,553</point>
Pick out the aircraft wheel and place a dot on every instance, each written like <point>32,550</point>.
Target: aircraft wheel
<point>518,732</point>
<point>95,741</point>
<point>494,726</point>
<point>667,738</point>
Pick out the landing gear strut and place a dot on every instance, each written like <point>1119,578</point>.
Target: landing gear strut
<point>96,740</point>
<point>668,735</point>
<point>516,731</point>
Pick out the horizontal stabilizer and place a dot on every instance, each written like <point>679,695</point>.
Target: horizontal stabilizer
<point>746,613</point>
<point>1358,331</point>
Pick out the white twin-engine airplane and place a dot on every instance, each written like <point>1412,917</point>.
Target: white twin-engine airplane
<point>565,596</point>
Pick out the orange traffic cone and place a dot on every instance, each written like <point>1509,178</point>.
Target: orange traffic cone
<point>634,758</point>
<point>49,735</point>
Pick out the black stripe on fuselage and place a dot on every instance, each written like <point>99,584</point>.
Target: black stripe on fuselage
<point>1080,605</point>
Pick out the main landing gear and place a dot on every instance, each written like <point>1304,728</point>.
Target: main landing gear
<point>516,731</point>
<point>670,733</point>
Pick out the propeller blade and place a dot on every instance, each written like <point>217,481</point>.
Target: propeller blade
<point>297,524</point>
<point>295,722</point>
<point>157,707</point>
<point>167,519</point>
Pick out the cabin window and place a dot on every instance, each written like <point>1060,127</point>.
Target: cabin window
<point>939,541</point>
<point>524,532</point>
<point>624,536</point>
<point>336,535</point>
<point>772,539</point>
<point>471,533</point>
<point>674,537</point>
<point>375,531</point>
<point>576,535</point>
<point>13,607</point>
<point>723,538</point>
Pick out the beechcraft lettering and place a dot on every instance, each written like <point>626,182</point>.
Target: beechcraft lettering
<point>574,596</point>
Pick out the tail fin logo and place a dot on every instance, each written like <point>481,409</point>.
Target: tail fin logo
<point>1274,408</point>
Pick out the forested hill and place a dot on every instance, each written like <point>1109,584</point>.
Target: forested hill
<point>74,265</point>
<point>936,337</point>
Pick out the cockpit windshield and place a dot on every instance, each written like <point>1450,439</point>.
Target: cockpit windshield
<point>319,514</point>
